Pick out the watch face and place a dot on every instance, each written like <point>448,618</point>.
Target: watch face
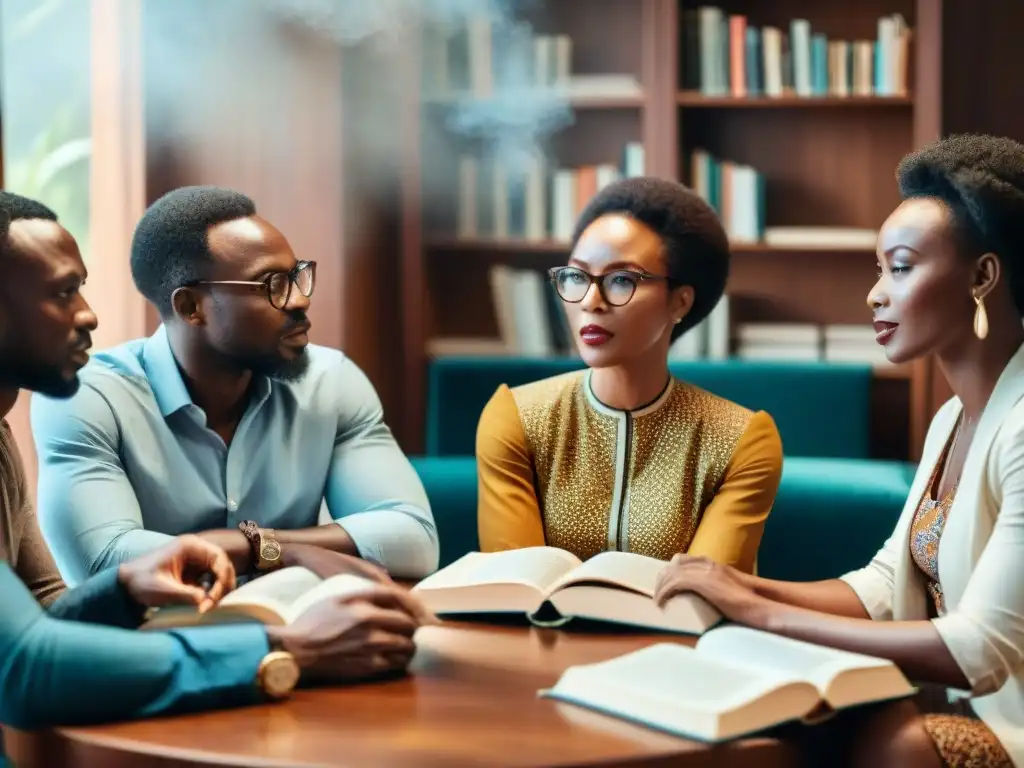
<point>280,676</point>
<point>271,550</point>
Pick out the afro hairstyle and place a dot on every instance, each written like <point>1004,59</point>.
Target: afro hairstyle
<point>981,179</point>
<point>695,243</point>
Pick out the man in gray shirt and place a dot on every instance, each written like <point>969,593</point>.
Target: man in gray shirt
<point>225,422</point>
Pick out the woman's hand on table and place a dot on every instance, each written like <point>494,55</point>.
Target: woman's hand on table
<point>727,589</point>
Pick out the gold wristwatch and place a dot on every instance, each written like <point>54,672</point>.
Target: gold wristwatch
<point>278,674</point>
<point>266,549</point>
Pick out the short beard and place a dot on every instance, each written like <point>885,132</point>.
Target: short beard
<point>279,369</point>
<point>45,381</point>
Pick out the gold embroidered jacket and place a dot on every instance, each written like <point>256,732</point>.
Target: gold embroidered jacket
<point>691,472</point>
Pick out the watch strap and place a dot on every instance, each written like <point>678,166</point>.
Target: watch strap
<point>260,541</point>
<point>252,533</point>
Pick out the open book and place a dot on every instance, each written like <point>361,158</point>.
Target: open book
<point>735,682</point>
<point>552,586</point>
<point>279,597</point>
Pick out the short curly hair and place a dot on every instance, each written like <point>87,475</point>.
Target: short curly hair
<point>14,207</point>
<point>696,245</point>
<point>170,246</point>
<point>981,179</point>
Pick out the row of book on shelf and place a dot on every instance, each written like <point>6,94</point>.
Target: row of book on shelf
<point>531,199</point>
<point>531,322</point>
<point>481,60</point>
<point>535,200</point>
<point>738,193</point>
<point>733,682</point>
<point>723,55</point>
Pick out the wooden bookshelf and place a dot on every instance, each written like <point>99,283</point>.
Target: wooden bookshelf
<point>828,161</point>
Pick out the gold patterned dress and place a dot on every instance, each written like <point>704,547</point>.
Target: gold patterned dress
<point>688,472</point>
<point>962,740</point>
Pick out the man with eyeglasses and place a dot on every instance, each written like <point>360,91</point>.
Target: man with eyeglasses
<point>73,656</point>
<point>226,422</point>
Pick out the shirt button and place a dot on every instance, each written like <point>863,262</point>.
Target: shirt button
<point>232,505</point>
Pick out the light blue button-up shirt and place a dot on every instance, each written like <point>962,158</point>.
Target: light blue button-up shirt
<point>129,462</point>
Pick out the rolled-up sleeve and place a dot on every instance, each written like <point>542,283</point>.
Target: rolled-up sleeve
<point>372,491</point>
<point>984,632</point>
<point>51,670</point>
<point>875,583</point>
<point>87,508</point>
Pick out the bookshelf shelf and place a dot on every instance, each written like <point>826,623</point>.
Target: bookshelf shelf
<point>594,101</point>
<point>557,247</point>
<point>697,100</point>
<point>607,102</point>
<point>503,246</point>
<point>739,248</point>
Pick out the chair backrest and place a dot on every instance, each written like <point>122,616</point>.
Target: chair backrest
<point>830,516</point>
<point>821,408</point>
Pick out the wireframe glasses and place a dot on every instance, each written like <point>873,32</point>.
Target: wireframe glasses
<point>277,285</point>
<point>617,288</point>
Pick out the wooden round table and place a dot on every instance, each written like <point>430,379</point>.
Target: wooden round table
<point>470,699</point>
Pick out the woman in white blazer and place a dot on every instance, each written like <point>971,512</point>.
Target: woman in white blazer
<point>944,598</point>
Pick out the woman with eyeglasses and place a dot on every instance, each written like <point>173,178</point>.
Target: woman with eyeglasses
<point>621,456</point>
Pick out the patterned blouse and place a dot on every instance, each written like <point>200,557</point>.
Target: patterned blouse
<point>960,738</point>
<point>925,533</point>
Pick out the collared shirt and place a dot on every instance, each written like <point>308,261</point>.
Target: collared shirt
<point>129,462</point>
<point>21,542</point>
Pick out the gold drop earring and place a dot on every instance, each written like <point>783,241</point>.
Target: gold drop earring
<point>980,318</point>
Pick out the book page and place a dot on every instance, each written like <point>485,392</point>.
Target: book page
<point>537,567</point>
<point>336,586</point>
<point>276,590</point>
<point>814,663</point>
<point>621,569</point>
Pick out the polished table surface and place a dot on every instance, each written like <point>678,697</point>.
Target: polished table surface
<point>470,699</point>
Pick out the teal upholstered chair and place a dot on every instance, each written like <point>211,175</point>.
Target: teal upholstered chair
<point>831,516</point>
<point>451,487</point>
<point>824,522</point>
<point>821,409</point>
<point>835,506</point>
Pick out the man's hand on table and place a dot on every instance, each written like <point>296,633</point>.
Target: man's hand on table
<point>355,636</point>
